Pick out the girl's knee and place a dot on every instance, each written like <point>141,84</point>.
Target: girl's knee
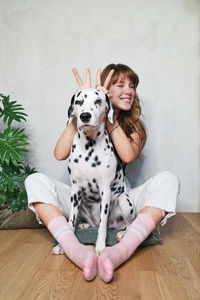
<point>167,178</point>
<point>33,179</point>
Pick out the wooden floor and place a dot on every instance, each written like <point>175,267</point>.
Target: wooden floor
<point>170,270</point>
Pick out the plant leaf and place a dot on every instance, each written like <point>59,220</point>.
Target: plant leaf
<point>11,111</point>
<point>18,202</point>
<point>10,181</point>
<point>28,170</point>
<point>12,142</point>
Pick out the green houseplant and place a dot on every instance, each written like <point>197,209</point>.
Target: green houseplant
<point>13,145</point>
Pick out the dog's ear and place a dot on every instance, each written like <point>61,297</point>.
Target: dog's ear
<point>111,110</point>
<point>71,110</point>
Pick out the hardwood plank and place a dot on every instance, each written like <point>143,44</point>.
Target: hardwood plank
<point>149,285</point>
<point>104,290</point>
<point>128,280</point>
<point>19,269</point>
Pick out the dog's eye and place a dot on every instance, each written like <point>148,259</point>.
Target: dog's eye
<point>98,101</point>
<point>77,102</point>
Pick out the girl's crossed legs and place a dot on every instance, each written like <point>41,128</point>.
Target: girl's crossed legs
<point>155,202</point>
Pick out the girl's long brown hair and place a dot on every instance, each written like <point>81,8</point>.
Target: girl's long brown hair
<point>128,120</point>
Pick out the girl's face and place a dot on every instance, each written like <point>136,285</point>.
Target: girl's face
<point>123,93</point>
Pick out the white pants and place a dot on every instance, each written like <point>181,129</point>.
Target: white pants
<point>160,191</point>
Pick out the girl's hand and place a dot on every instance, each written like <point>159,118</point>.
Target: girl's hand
<point>106,83</point>
<point>87,84</point>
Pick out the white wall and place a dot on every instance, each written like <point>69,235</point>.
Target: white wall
<point>42,40</point>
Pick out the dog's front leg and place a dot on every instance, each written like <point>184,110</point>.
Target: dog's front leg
<point>105,206</point>
<point>75,204</point>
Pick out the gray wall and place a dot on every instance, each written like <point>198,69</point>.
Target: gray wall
<point>42,40</point>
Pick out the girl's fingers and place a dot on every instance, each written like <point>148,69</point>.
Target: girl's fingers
<point>101,88</point>
<point>77,77</point>
<point>88,78</point>
<point>98,78</point>
<point>108,78</point>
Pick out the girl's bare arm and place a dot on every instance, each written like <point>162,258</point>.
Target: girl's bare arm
<point>127,150</point>
<point>64,144</point>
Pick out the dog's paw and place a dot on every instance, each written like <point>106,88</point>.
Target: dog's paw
<point>120,235</point>
<point>57,250</point>
<point>83,226</point>
<point>99,248</point>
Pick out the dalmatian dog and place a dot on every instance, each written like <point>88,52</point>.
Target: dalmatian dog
<point>98,190</point>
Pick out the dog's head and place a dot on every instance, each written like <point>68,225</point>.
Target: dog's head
<point>90,107</point>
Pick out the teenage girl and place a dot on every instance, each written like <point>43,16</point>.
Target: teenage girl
<point>155,200</point>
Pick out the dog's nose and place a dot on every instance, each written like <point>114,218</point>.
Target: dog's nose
<point>85,117</point>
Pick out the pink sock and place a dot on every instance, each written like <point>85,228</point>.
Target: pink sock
<point>83,256</point>
<point>114,256</point>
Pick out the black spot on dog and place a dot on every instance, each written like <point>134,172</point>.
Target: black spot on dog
<point>78,94</point>
<point>131,211</point>
<point>94,180</point>
<point>118,167</point>
<point>87,158</point>
<point>98,133</point>
<point>116,175</point>
<point>75,200</point>
<point>108,102</point>
<point>73,222</point>
<point>96,161</point>
<point>85,95</point>
<point>106,209</point>
<point>97,93</point>
<point>108,166</point>
<point>73,147</point>
<point>79,136</point>
<point>69,170</point>
<point>129,202</point>
<point>95,199</point>
<point>73,181</point>
<point>120,219</point>
<point>76,160</point>
<point>119,190</point>
<point>90,153</point>
<point>90,143</point>
<point>80,156</point>
<point>71,108</point>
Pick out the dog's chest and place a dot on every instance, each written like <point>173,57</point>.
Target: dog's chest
<point>91,159</point>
